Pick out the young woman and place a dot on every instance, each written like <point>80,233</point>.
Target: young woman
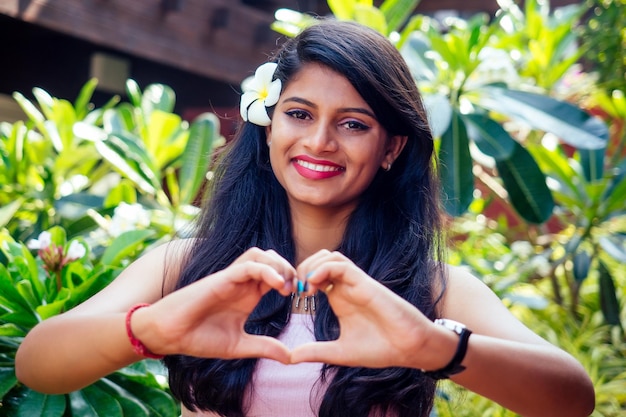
<point>314,281</point>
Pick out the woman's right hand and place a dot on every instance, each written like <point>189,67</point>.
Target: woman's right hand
<point>206,318</point>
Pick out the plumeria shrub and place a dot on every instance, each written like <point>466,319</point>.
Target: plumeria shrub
<point>46,277</point>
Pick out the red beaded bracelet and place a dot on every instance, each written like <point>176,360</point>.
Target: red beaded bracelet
<point>138,346</point>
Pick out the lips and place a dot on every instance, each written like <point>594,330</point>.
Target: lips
<point>315,169</point>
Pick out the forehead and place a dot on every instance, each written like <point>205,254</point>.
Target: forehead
<point>322,84</point>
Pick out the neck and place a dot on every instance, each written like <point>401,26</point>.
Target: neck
<point>316,229</point>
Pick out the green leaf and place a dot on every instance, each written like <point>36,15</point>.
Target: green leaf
<point>124,245</point>
<point>371,17</point>
<point>131,405</point>
<point>565,120</point>
<point>7,380</point>
<point>25,288</point>
<point>608,298</point>
<point>455,168</point>
<point>96,281</point>
<point>614,246</point>
<point>122,192</point>
<point>81,105</point>
<point>439,112</point>
<point>582,263</point>
<point>526,185</point>
<point>134,92</point>
<point>119,119</point>
<point>37,404</point>
<point>397,12</point>
<point>92,401</point>
<point>160,139</point>
<point>45,101</point>
<point>117,159</point>
<point>10,298</point>
<point>29,108</point>
<point>489,136</point>
<point>342,9</point>
<point>55,307</point>
<point>614,195</point>
<point>592,162</point>
<point>11,330</point>
<point>157,97</point>
<point>556,164</point>
<point>157,400</point>
<point>8,211</point>
<point>197,156</point>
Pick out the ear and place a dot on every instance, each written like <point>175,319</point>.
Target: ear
<point>392,150</point>
<point>268,135</point>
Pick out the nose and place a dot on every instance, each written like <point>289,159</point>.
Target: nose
<point>321,139</point>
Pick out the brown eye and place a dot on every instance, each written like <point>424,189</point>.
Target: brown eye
<point>298,114</point>
<point>354,125</point>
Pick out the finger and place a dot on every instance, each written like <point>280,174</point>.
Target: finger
<point>332,270</point>
<point>318,258</point>
<point>231,278</point>
<point>312,263</point>
<point>252,346</point>
<point>326,352</point>
<point>273,259</point>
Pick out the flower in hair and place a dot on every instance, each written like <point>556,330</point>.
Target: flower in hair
<point>259,93</point>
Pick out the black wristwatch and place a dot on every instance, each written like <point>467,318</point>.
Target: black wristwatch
<point>454,367</point>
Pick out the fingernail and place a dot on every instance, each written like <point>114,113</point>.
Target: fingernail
<point>308,275</point>
<point>301,287</point>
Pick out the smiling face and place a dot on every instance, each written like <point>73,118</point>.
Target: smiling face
<point>326,144</point>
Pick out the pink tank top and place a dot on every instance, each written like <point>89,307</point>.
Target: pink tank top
<point>279,390</point>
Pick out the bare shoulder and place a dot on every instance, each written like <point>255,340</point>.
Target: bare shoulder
<point>470,301</point>
<point>147,279</point>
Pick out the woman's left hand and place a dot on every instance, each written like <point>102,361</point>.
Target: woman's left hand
<point>377,327</point>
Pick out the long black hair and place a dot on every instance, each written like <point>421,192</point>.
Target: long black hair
<point>394,234</point>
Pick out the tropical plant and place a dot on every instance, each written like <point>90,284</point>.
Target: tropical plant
<point>35,288</point>
<point>42,162</point>
<point>71,165</point>
<point>163,158</point>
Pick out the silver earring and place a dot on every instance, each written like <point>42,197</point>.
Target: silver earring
<point>388,167</point>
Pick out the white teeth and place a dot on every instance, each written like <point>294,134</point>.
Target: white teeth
<point>317,167</point>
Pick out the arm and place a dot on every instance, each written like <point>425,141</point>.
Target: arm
<point>90,340</point>
<point>510,364</point>
<point>206,319</point>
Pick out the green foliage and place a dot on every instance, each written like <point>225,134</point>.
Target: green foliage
<point>591,204</point>
<point>41,162</point>
<point>34,288</point>
<point>544,42</point>
<point>56,168</point>
<point>606,26</point>
<point>97,186</point>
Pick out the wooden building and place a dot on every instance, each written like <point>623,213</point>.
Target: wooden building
<point>201,48</point>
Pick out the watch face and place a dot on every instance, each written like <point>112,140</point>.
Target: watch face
<point>455,326</point>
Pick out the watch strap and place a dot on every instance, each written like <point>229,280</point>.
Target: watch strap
<point>454,366</point>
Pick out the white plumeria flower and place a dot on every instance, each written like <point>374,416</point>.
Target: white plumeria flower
<point>43,241</point>
<point>128,217</point>
<point>259,93</point>
<point>75,251</point>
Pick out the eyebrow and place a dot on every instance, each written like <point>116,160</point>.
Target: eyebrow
<point>343,109</point>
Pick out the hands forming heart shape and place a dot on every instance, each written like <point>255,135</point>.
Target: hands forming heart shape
<point>206,319</point>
